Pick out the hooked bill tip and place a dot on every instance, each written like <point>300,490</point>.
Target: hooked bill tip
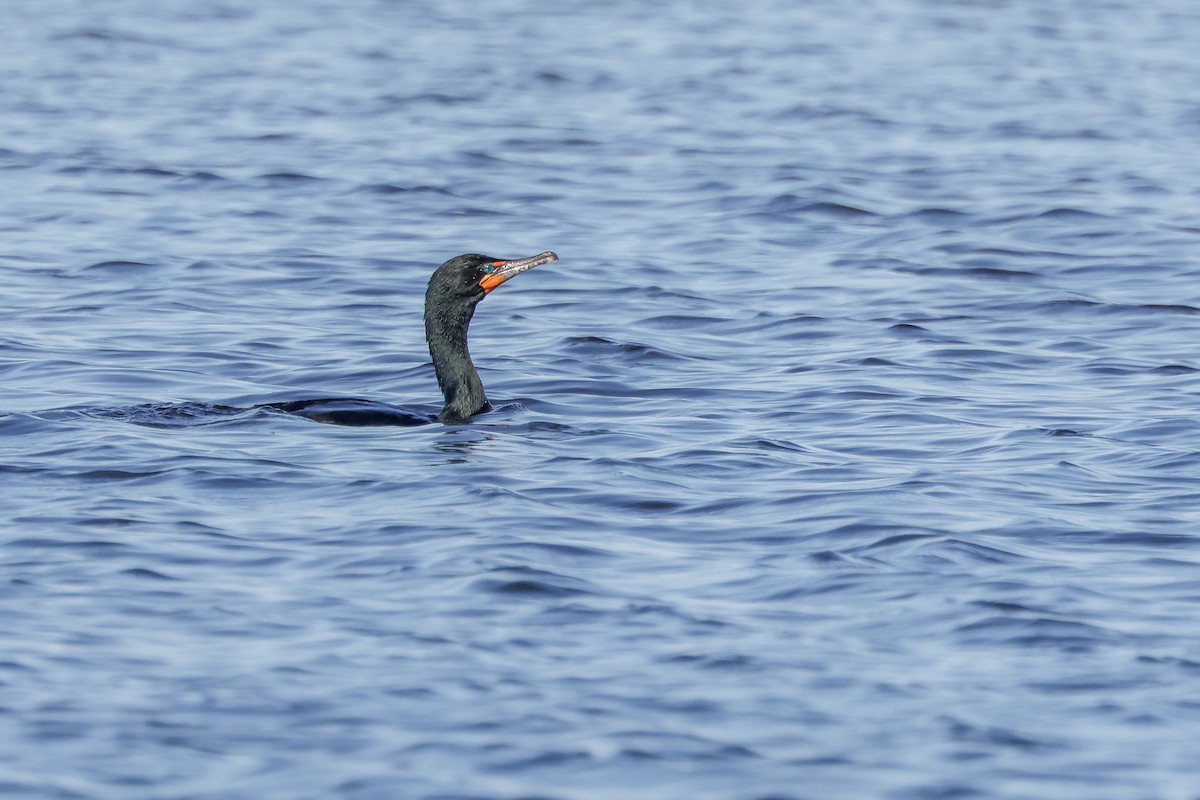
<point>509,268</point>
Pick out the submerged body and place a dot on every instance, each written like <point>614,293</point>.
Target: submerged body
<point>352,411</point>
<point>454,289</point>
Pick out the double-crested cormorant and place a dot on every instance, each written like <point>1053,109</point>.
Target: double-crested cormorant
<point>454,290</point>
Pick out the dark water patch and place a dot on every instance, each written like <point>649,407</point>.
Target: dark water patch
<point>1037,632</point>
<point>538,144</point>
<point>1175,308</point>
<point>1175,661</point>
<point>810,112</point>
<point>681,321</point>
<point>732,662</point>
<point>1006,606</point>
<point>1024,130</point>
<point>387,189</point>
<point>552,77</point>
<point>791,204</point>
<point>1071,214</point>
<point>288,178</point>
<point>531,583</point>
<point>910,330</point>
<point>561,552</point>
<point>1008,253</point>
<point>478,211</point>
<point>962,731</point>
<point>271,137</point>
<point>119,265</point>
<point>259,214</point>
<point>1072,686</point>
<point>1065,432</point>
<point>148,574</point>
<point>1150,542</point>
<point>111,35</point>
<point>1062,215</point>
<point>203,178</point>
<point>382,189</point>
<point>446,99</point>
<point>115,474</point>
<point>770,445</point>
<point>552,758</point>
<point>143,171</point>
<point>969,268</point>
<point>937,215</point>
<point>92,546</point>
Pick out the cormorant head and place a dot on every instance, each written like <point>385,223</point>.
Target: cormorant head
<point>470,277</point>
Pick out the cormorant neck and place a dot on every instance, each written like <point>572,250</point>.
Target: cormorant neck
<point>446,332</point>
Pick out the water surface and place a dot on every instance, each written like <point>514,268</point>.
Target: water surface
<point>850,449</point>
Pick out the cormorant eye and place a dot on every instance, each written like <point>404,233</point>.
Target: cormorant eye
<point>489,269</point>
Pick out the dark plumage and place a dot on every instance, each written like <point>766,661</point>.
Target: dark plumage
<point>455,288</point>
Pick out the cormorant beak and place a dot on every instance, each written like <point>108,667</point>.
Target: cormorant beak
<point>503,270</point>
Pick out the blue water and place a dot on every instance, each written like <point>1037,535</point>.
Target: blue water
<point>851,449</point>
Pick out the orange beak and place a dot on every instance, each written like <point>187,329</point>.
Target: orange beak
<point>503,270</point>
